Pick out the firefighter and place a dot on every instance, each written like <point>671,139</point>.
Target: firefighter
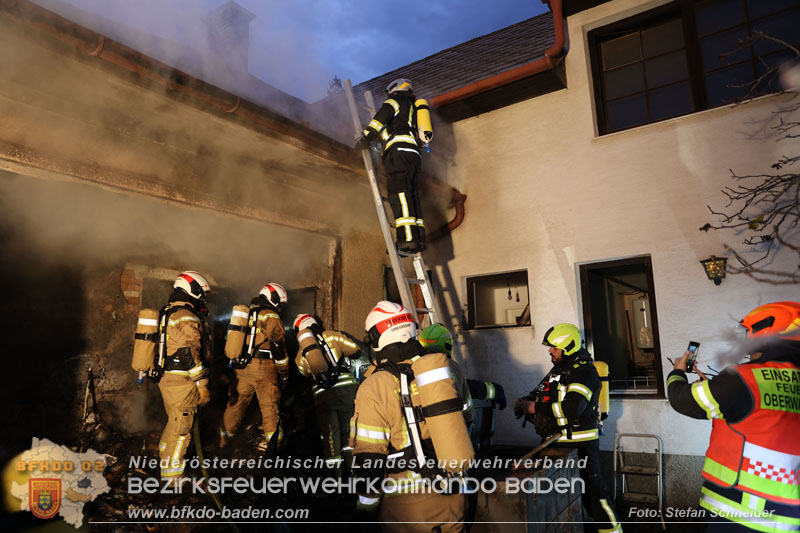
<point>752,465</point>
<point>380,429</point>
<point>265,374</point>
<point>436,338</point>
<point>566,405</point>
<point>323,356</point>
<point>184,383</point>
<point>395,124</point>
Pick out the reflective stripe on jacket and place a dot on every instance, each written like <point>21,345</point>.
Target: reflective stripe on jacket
<point>395,123</point>
<point>761,453</point>
<point>340,345</point>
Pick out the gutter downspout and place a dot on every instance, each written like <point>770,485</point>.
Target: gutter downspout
<point>552,57</point>
<point>458,198</point>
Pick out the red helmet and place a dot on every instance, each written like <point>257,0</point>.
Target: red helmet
<point>777,318</point>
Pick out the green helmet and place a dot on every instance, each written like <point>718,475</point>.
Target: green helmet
<point>564,337</point>
<point>437,336</point>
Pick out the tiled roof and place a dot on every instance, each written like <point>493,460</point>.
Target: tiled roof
<point>471,61</point>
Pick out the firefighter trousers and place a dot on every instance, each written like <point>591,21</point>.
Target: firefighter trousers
<point>595,499</point>
<point>259,378</point>
<point>402,173</point>
<point>334,408</point>
<point>433,512</point>
<point>179,394</point>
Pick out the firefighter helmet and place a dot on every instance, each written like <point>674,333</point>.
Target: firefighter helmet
<point>564,337</point>
<point>389,323</point>
<point>304,321</point>
<point>437,336</point>
<point>400,85</point>
<point>777,318</point>
<point>192,283</point>
<point>275,294</point>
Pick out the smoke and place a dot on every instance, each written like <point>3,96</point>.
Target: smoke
<point>69,223</point>
<point>738,347</point>
<point>134,412</point>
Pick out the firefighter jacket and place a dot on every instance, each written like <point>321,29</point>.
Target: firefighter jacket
<point>461,383</point>
<point>395,124</point>
<point>341,344</point>
<point>567,400</point>
<point>188,341</point>
<point>754,446</point>
<point>270,341</point>
<point>380,437</point>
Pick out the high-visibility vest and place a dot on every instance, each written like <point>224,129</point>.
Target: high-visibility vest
<point>759,455</point>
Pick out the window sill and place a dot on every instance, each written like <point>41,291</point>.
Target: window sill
<point>669,121</point>
<point>499,326</point>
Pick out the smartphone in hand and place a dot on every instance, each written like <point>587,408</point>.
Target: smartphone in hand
<point>693,348</point>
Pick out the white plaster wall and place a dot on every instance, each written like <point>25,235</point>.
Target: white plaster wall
<point>545,194</point>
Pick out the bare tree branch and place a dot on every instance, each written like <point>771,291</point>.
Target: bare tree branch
<point>764,209</point>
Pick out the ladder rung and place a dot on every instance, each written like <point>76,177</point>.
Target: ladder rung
<point>639,497</point>
<point>639,470</point>
<point>415,281</point>
<point>423,310</point>
<point>405,254</point>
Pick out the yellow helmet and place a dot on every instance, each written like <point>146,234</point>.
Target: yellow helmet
<point>564,337</point>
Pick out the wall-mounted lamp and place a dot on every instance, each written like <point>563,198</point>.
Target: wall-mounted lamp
<point>715,268</point>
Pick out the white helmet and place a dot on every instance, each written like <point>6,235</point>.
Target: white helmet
<point>304,321</point>
<point>389,323</point>
<point>192,283</point>
<point>275,294</point>
<point>400,85</point>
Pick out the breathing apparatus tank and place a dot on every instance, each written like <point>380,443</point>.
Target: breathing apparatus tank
<point>319,362</point>
<point>424,125</point>
<point>603,400</point>
<point>237,331</point>
<point>442,410</point>
<point>145,340</point>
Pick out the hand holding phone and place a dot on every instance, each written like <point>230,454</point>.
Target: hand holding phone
<point>693,348</point>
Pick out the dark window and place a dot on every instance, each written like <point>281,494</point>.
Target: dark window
<point>688,56</point>
<point>619,316</point>
<point>498,300</point>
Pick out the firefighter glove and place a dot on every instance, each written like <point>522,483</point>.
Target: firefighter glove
<point>205,395</point>
<point>362,143</point>
<point>500,396</point>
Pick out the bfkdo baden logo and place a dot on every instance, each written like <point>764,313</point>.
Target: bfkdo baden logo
<point>44,496</point>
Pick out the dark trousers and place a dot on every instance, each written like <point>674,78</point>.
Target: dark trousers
<point>402,171</point>
<point>334,409</point>
<point>595,499</point>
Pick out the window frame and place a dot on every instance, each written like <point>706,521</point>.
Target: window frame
<point>684,10</point>
<point>469,285</point>
<point>647,261</point>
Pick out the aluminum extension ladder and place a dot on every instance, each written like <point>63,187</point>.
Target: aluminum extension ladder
<point>404,282</point>
<point>656,470</point>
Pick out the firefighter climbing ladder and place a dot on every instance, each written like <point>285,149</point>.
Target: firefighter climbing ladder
<point>404,282</point>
